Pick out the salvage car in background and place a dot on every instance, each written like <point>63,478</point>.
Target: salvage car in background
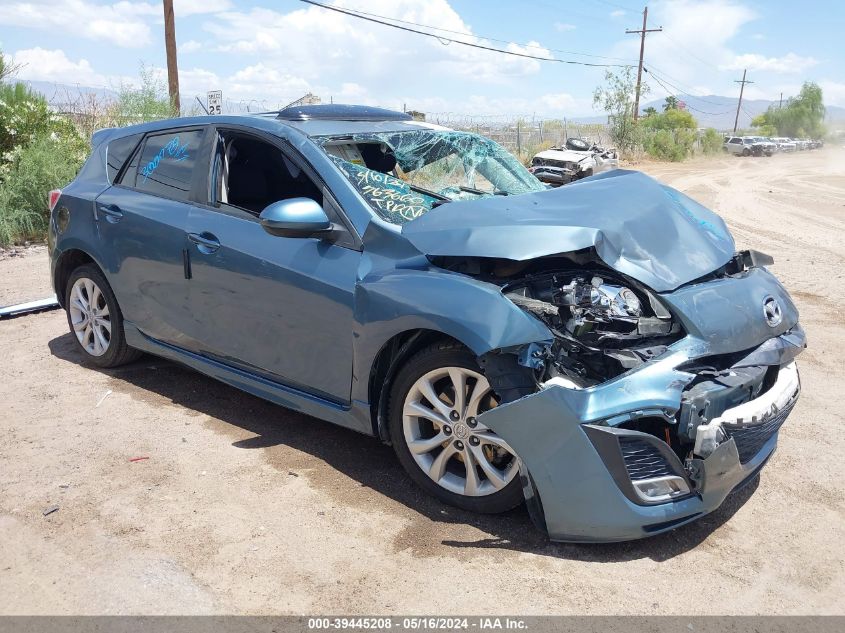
<point>784,144</point>
<point>511,341</point>
<point>746,146</point>
<point>577,159</point>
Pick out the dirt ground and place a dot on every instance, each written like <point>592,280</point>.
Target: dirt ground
<point>243,507</point>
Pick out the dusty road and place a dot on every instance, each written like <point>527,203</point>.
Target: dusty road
<point>243,507</point>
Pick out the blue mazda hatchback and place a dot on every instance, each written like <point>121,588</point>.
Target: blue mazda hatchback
<point>600,351</point>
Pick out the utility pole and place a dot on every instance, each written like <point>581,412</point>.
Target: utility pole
<point>780,105</point>
<point>741,89</point>
<point>170,47</point>
<point>642,33</point>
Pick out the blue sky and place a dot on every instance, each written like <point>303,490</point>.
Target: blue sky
<point>266,53</point>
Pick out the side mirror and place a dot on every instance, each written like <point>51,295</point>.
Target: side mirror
<point>296,217</point>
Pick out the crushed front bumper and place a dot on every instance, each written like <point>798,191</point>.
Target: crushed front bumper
<point>581,472</point>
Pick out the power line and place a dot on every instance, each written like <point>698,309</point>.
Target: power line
<point>613,4</point>
<point>470,44</point>
<point>680,90</point>
<point>690,53</point>
<point>482,37</point>
<point>687,105</point>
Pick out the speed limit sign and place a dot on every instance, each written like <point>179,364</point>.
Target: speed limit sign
<point>215,102</point>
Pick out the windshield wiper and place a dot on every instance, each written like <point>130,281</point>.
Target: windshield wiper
<point>497,192</point>
<point>427,192</point>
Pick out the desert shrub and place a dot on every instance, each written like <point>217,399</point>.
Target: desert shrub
<point>671,145</point>
<point>711,141</point>
<point>24,115</point>
<point>50,161</point>
<point>669,135</point>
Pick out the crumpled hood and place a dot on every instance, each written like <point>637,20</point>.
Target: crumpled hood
<point>641,228</point>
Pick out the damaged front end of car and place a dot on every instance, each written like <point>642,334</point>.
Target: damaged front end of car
<point>671,365</point>
<point>640,424</point>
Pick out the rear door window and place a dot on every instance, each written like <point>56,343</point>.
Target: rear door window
<point>166,164</point>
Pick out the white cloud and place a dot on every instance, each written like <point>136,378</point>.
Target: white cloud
<point>191,46</point>
<point>120,24</point>
<point>312,39</point>
<point>124,23</point>
<point>696,40</point>
<point>184,8</point>
<point>38,64</point>
<point>618,13</point>
<point>789,63</point>
<point>758,36</point>
<point>563,27</point>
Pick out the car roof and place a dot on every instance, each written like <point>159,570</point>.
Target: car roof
<point>317,120</point>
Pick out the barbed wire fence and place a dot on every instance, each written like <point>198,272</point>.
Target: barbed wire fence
<point>524,136</point>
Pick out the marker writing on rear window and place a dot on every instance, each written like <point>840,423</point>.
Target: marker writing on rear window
<point>171,150</point>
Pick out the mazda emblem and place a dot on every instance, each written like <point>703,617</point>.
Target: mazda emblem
<point>772,311</point>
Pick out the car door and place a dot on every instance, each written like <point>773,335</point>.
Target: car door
<point>141,223</point>
<point>735,145</point>
<point>278,307</point>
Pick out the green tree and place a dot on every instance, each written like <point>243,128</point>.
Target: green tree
<point>8,67</point>
<point>616,97</point>
<point>670,103</point>
<point>650,111</point>
<point>148,101</point>
<point>801,116</point>
<point>670,135</point>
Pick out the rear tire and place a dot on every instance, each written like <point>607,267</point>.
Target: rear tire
<point>95,320</point>
<point>440,467</point>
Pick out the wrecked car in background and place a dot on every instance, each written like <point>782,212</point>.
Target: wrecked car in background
<point>600,351</point>
<point>577,159</point>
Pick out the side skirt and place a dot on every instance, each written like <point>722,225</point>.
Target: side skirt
<point>355,416</point>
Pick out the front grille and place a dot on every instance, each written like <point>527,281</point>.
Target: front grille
<point>643,460</point>
<point>551,162</point>
<point>750,438</point>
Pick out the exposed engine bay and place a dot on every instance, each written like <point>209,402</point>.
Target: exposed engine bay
<point>603,324</point>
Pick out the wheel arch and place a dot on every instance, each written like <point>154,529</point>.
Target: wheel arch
<point>67,262</point>
<point>388,360</point>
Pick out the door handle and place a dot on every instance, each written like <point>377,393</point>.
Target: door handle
<point>112,212</point>
<point>206,242</point>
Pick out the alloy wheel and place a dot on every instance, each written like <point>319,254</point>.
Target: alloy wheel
<point>89,316</point>
<point>445,438</point>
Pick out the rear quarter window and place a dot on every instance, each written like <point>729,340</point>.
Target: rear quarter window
<point>166,164</point>
<point>118,152</point>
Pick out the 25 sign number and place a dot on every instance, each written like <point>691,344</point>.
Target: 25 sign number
<point>215,102</point>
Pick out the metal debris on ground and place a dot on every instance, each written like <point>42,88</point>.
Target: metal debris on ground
<point>137,459</point>
<point>100,401</point>
<point>50,510</point>
<point>20,309</point>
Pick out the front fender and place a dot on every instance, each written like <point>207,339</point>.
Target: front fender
<point>472,312</point>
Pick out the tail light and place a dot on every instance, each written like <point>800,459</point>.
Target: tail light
<point>53,198</point>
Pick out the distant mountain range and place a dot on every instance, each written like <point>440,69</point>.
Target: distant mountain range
<point>710,111</point>
<point>61,96</point>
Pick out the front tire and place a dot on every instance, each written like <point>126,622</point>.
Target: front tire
<point>95,320</point>
<point>434,403</point>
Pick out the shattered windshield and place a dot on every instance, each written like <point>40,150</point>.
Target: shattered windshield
<point>402,175</point>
